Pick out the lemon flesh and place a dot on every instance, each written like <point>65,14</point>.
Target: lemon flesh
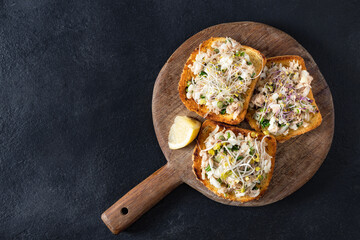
<point>183,132</point>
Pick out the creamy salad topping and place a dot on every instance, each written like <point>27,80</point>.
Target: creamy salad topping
<point>223,74</point>
<point>280,99</point>
<point>235,164</point>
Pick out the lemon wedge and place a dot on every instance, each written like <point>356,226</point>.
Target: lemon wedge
<point>183,132</point>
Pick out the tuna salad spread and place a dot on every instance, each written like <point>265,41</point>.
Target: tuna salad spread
<point>235,164</point>
<point>280,101</point>
<point>222,75</point>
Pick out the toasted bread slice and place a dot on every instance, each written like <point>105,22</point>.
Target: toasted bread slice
<point>315,119</point>
<point>208,127</point>
<point>257,59</point>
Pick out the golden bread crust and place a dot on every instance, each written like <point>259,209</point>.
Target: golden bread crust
<point>209,126</point>
<point>315,120</point>
<point>258,60</point>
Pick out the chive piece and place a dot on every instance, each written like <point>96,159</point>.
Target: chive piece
<point>186,89</point>
<point>264,123</point>
<point>248,63</point>
<point>216,50</point>
<point>208,168</point>
<point>242,54</point>
<point>252,75</point>
<point>223,111</point>
<point>235,148</point>
<point>231,100</point>
<point>202,73</point>
<point>202,96</point>
<point>228,135</point>
<point>252,151</point>
<point>220,104</point>
<point>240,78</point>
<point>219,180</point>
<point>240,158</point>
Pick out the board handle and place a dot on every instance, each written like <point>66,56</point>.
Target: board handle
<point>140,199</point>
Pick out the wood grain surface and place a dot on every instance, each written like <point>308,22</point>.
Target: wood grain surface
<point>297,160</point>
<point>140,199</point>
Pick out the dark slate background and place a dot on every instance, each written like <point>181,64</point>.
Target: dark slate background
<point>76,133</point>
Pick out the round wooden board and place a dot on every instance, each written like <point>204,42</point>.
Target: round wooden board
<point>297,160</point>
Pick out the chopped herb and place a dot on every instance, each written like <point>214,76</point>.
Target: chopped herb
<point>208,168</point>
<point>202,96</point>
<point>223,111</point>
<point>248,63</point>
<point>240,78</point>
<point>260,177</point>
<point>237,53</point>
<point>255,188</point>
<point>252,75</point>
<point>220,104</point>
<point>202,73</point>
<point>216,50</point>
<point>235,148</point>
<point>242,54</point>
<point>219,180</point>
<point>186,89</point>
<point>228,135</point>
<point>240,158</point>
<point>264,123</point>
<point>231,100</point>
<point>252,151</point>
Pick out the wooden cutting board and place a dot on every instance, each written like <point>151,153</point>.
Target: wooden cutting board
<point>297,160</point>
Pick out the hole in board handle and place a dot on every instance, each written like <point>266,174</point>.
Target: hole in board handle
<point>124,211</point>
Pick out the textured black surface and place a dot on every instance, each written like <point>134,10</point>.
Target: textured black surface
<point>76,133</point>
